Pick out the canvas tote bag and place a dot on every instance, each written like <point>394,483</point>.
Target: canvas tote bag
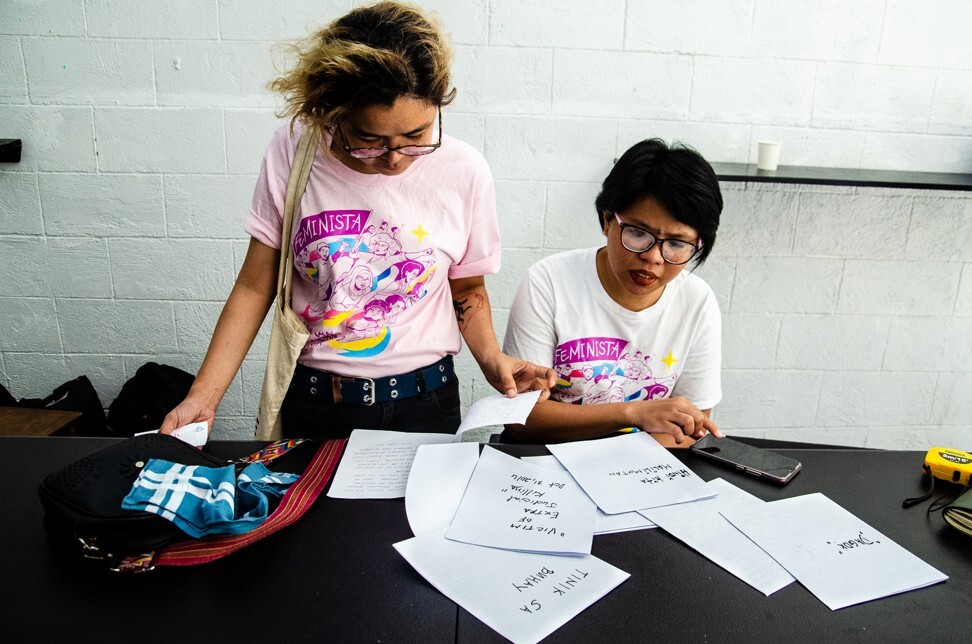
<point>288,335</point>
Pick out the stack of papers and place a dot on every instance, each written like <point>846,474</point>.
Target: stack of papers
<point>510,539</point>
<point>531,525</point>
<point>603,523</point>
<point>512,542</point>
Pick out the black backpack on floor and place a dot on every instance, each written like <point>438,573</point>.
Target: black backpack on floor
<point>75,395</point>
<point>147,397</point>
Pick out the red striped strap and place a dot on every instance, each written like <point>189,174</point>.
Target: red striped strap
<point>295,502</point>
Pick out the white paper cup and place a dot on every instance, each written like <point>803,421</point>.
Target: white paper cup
<point>769,155</point>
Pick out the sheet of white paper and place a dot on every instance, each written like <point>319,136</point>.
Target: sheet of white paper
<point>436,484</point>
<point>700,526</point>
<point>603,523</point>
<point>838,557</point>
<point>376,463</point>
<point>196,434</point>
<point>523,596</point>
<point>520,506</point>
<point>498,410</point>
<point>629,472</point>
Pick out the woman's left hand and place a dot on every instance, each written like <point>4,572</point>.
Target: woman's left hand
<point>509,375</point>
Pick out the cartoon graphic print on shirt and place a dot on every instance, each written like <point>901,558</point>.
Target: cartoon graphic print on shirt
<point>601,370</point>
<point>364,279</point>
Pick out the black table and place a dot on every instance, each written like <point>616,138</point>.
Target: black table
<point>677,595</point>
<point>333,576</point>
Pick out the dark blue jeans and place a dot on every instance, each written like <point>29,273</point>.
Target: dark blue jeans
<point>436,411</point>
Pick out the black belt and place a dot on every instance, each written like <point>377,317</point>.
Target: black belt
<point>368,391</point>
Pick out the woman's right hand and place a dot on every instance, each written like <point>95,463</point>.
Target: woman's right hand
<point>675,416</point>
<point>190,410</point>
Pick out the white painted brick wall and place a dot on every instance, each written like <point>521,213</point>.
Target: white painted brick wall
<point>923,34</point>
<point>621,84</point>
<point>489,86</point>
<point>883,98</point>
<point>13,75</point>
<point>571,221</point>
<point>274,21</point>
<point>710,27</point>
<point>822,30</point>
<point>177,19</point>
<point>172,269</point>
<point>951,104</point>
<point>160,140</point>
<point>754,91</point>
<point>20,205</point>
<point>43,18</point>
<point>584,24</point>
<point>206,206</point>
<point>712,140</point>
<point>247,133</point>
<point>55,138</point>
<point>113,205</point>
<point>847,311</point>
<point>68,71</point>
<point>534,147</point>
<point>892,287</point>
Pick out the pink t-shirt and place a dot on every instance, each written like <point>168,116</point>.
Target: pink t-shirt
<point>373,254</point>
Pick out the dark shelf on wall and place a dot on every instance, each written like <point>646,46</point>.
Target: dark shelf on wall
<point>844,177</point>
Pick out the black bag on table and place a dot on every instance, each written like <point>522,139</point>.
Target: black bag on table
<point>75,395</point>
<point>82,501</point>
<point>147,397</point>
<point>83,514</point>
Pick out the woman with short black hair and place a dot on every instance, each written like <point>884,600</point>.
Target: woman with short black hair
<point>634,338</point>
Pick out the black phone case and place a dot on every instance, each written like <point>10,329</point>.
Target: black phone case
<point>740,456</point>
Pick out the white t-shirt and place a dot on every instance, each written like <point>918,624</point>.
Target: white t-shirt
<point>374,253</point>
<point>562,317</point>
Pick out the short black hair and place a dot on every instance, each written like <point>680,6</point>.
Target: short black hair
<point>676,176</point>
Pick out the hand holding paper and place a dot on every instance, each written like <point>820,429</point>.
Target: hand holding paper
<point>498,410</point>
<point>196,434</point>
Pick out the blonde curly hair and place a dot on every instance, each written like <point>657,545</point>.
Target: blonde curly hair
<point>371,56</point>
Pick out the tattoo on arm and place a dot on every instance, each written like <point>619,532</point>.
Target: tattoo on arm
<point>467,307</point>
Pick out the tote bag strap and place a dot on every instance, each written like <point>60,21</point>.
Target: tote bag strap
<point>288,333</point>
<point>299,173</point>
<point>297,500</point>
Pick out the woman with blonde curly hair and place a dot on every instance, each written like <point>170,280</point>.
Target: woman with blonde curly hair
<point>370,88</point>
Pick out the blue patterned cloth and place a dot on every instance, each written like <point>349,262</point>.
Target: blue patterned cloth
<point>207,500</point>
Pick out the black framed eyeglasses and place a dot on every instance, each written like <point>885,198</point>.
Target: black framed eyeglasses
<point>407,150</point>
<point>673,251</point>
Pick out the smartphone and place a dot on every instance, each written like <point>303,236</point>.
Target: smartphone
<point>757,461</point>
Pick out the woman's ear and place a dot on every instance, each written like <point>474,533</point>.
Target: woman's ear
<point>605,222</point>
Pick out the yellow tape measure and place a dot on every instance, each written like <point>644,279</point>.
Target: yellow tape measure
<point>946,464</point>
